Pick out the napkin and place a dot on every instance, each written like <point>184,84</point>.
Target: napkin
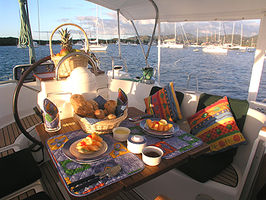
<point>50,110</point>
<point>51,115</point>
<point>122,103</point>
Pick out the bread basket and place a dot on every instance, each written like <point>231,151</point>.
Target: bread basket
<point>101,127</point>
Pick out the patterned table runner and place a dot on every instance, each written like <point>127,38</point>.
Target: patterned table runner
<point>71,171</point>
<point>173,146</point>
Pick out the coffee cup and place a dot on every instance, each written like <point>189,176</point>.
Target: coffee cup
<point>121,133</point>
<point>152,155</point>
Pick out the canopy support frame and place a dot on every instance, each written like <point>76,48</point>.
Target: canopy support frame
<point>118,32</point>
<point>258,62</point>
<point>159,52</point>
<point>153,33</point>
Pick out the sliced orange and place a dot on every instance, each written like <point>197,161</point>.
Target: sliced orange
<point>161,125</point>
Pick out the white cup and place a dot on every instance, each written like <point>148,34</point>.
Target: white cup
<point>121,133</point>
<point>136,143</point>
<point>152,155</point>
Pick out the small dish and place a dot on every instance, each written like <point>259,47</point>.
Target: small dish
<point>121,133</point>
<point>159,134</point>
<point>152,155</point>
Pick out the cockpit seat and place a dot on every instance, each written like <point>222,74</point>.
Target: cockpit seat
<point>18,171</point>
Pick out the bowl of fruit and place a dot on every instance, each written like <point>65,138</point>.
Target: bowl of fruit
<point>66,48</point>
<point>158,127</point>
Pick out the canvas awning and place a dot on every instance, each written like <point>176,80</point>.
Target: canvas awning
<point>187,10</point>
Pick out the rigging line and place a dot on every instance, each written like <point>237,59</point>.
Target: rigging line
<point>38,9</point>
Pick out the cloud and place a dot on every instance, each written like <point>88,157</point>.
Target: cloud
<point>64,20</point>
<point>107,26</point>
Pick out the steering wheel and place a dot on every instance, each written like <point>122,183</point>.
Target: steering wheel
<point>91,62</point>
<point>15,101</point>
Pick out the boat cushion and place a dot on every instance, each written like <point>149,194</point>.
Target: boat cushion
<point>216,126</point>
<point>207,166</point>
<point>179,95</point>
<point>164,104</point>
<point>239,108</point>
<point>17,170</point>
<point>39,196</point>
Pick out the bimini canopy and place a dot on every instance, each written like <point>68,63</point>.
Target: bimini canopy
<point>187,10</point>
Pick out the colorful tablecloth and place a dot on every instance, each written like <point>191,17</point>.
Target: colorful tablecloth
<point>71,171</point>
<point>173,146</point>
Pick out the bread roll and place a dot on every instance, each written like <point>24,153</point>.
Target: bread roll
<point>99,114</point>
<point>110,106</point>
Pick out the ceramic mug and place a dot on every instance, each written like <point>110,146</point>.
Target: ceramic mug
<point>121,133</point>
<point>152,155</point>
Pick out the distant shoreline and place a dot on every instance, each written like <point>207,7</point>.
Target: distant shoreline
<point>246,41</point>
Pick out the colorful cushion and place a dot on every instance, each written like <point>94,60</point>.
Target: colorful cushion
<point>239,108</point>
<point>179,95</point>
<point>216,126</point>
<point>164,104</point>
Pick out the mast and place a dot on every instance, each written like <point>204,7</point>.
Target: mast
<point>241,35</point>
<point>97,29</point>
<point>185,35</point>
<point>197,36</point>
<point>25,37</point>
<point>175,32</point>
<point>39,29</point>
<point>233,30</point>
<point>219,35</point>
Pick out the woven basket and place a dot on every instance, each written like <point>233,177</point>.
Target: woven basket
<point>72,62</point>
<point>101,127</point>
<point>69,64</point>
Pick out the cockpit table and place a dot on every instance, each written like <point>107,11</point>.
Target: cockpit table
<point>132,181</point>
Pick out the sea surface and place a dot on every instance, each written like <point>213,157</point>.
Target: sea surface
<point>216,74</point>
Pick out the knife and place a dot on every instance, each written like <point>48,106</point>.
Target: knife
<point>134,119</point>
<point>110,172</point>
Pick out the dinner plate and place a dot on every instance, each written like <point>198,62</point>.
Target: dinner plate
<point>161,134</point>
<point>69,149</point>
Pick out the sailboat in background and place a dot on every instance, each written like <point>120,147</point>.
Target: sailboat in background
<point>196,46</point>
<point>216,49</point>
<point>94,45</point>
<point>171,43</point>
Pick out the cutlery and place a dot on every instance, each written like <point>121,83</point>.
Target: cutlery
<point>110,172</point>
<point>134,119</point>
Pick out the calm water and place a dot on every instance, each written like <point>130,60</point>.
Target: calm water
<point>217,74</point>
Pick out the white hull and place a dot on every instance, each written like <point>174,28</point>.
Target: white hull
<point>214,50</point>
<point>98,47</point>
<point>172,46</point>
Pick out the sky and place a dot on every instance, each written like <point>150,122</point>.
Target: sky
<point>55,12</point>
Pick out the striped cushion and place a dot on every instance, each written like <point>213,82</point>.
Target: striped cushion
<point>164,104</point>
<point>216,126</point>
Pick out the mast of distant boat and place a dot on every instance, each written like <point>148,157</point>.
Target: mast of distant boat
<point>197,42</point>
<point>97,29</point>
<point>175,33</point>
<point>219,34</point>
<point>233,30</point>
<point>241,35</point>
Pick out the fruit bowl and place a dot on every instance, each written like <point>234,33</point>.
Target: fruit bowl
<point>73,61</point>
<point>159,125</point>
<point>157,133</point>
